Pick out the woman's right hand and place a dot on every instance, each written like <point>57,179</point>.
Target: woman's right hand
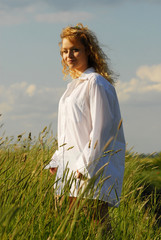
<point>53,170</point>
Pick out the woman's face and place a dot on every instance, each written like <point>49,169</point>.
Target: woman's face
<point>74,55</point>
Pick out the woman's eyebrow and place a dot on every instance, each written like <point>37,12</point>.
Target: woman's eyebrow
<point>70,47</point>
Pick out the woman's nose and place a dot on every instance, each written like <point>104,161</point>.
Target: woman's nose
<point>70,53</point>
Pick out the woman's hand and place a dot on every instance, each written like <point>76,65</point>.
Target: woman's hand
<point>80,175</point>
<point>53,170</point>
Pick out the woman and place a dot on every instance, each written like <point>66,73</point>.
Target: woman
<point>89,134</point>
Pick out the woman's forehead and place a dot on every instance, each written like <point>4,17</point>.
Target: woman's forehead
<point>68,42</point>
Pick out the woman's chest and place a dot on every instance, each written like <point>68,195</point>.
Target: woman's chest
<point>75,101</point>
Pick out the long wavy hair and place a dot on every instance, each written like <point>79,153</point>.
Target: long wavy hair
<point>96,57</point>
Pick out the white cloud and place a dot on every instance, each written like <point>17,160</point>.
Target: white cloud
<point>140,101</point>
<point>18,86</point>
<point>31,90</point>
<point>40,13</point>
<point>21,12</point>
<point>65,16</point>
<point>49,11</point>
<point>148,81</point>
<point>151,73</point>
<point>5,107</point>
<point>72,4</point>
<point>28,107</point>
<point>65,4</point>
<point>18,12</point>
<point>23,98</point>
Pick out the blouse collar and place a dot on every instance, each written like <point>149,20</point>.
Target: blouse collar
<point>86,73</point>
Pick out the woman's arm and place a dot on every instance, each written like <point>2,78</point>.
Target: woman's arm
<point>105,116</point>
<point>54,161</point>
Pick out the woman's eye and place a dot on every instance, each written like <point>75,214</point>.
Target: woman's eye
<point>75,50</point>
<point>64,51</point>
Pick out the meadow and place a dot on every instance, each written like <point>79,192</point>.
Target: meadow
<point>27,202</point>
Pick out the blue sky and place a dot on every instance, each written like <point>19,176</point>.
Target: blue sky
<point>30,65</point>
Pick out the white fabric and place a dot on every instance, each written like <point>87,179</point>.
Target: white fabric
<point>88,117</point>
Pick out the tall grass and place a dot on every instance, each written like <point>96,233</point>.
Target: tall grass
<point>28,206</point>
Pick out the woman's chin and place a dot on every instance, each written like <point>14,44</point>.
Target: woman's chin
<point>71,67</point>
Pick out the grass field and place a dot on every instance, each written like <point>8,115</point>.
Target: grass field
<point>27,204</point>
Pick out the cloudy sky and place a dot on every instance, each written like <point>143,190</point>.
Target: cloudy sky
<point>30,66</point>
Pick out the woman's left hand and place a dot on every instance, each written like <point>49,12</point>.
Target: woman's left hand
<point>53,171</point>
<point>80,175</point>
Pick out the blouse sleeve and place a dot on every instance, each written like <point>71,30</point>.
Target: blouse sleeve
<point>54,161</point>
<point>104,125</point>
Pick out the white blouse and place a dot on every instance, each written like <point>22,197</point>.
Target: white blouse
<point>88,116</point>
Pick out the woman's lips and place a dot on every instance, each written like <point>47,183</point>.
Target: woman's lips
<point>71,61</point>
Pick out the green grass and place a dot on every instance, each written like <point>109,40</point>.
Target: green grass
<point>27,202</point>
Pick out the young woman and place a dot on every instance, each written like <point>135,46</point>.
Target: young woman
<point>90,133</point>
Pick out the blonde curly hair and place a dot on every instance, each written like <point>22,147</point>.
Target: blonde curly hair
<point>96,57</point>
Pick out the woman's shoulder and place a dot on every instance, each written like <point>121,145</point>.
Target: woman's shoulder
<point>97,79</point>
